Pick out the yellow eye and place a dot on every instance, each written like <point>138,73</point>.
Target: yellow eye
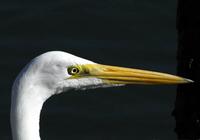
<point>73,70</point>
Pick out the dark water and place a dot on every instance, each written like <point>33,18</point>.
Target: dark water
<point>137,33</point>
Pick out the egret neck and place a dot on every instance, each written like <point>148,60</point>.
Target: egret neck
<point>26,108</point>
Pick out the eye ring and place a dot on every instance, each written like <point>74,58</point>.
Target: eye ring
<point>73,70</point>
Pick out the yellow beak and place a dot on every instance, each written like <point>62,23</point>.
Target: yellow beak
<point>121,75</point>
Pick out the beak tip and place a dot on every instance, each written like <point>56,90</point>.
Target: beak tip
<point>188,80</point>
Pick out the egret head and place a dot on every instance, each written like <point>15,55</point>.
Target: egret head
<point>59,71</point>
<point>55,72</point>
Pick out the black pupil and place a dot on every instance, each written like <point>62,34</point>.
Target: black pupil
<point>74,70</point>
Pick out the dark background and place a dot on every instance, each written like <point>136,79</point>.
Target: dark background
<point>132,33</point>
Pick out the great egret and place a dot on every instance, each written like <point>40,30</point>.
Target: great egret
<point>55,72</point>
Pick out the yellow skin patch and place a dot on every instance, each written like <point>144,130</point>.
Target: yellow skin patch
<point>121,75</point>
